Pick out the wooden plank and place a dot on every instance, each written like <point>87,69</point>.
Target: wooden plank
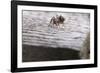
<point>36,31</point>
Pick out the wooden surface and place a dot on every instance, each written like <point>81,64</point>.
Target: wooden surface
<point>36,31</point>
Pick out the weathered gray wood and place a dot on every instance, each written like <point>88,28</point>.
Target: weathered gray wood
<point>37,32</point>
<point>85,49</point>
